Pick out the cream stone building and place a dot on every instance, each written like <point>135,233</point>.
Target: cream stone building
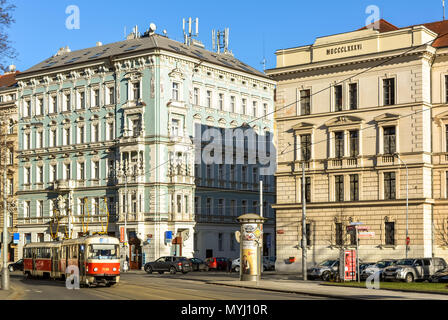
<point>357,108</point>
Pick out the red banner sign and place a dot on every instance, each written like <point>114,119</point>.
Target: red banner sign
<point>122,234</point>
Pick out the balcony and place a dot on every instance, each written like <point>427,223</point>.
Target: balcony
<point>340,163</point>
<point>64,185</point>
<point>130,217</point>
<point>204,218</point>
<point>385,160</point>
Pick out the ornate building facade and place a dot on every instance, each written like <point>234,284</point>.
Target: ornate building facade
<point>357,109</point>
<point>107,141</point>
<point>8,154</point>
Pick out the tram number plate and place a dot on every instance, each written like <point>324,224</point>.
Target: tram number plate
<point>105,269</point>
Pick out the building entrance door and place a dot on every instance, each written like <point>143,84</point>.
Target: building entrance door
<point>135,254</point>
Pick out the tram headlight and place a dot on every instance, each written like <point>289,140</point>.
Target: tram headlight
<point>95,269</point>
<point>114,269</point>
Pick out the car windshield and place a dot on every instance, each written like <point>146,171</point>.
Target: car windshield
<point>327,263</point>
<point>405,262</point>
<point>383,264</point>
<point>103,251</point>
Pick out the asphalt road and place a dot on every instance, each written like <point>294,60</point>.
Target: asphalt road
<point>142,286</point>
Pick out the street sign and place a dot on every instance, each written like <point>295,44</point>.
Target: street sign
<point>356,223</point>
<point>366,234</point>
<point>363,228</point>
<point>16,237</point>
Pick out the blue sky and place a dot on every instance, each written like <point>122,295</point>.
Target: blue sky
<point>257,28</point>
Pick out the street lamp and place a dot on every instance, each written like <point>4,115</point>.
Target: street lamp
<point>407,202</point>
<point>5,272</point>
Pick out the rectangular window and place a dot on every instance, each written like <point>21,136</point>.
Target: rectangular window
<point>175,95</point>
<point>221,101</point>
<point>96,97</point>
<point>339,234</point>
<point>255,207</point>
<point>354,187</point>
<point>10,186</point>
<point>67,140</point>
<point>40,174</point>
<point>67,102</point>
<point>232,241</point>
<point>232,172</point>
<point>28,176</point>
<point>40,140</point>
<point>244,173</point>
<point>338,98</point>
<point>197,205</point>
<point>244,106</point>
<point>95,133</point>
<point>67,171</point>
<point>389,185</point>
<point>11,156</point>
<point>390,233</point>
<point>40,106</point>
<point>243,207</point>
<point>220,238</point>
<point>53,138</point>
<point>389,91</point>
<point>265,109</point>
<point>186,204</point>
<point>232,104</point>
<point>353,94</point>
<point>254,109</point>
<point>196,96</point>
<point>232,207</point>
<point>254,175</point>
<point>389,140</point>
<point>96,170</point>
<point>175,123</point>
<point>54,104</point>
<point>221,207</point>
<point>339,188</point>
<point>82,100</point>
<point>27,209</point>
<point>209,207</point>
<point>305,146</point>
<point>305,102</point>
<point>53,173</point>
<point>307,188</point>
<point>308,234</point>
<point>40,208</point>
<point>111,95</point>
<point>339,144</point>
<point>209,99</point>
<point>82,173</point>
<point>354,143</point>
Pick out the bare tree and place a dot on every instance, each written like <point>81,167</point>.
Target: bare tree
<point>441,232</point>
<point>7,52</point>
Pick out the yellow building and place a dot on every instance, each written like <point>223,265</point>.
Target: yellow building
<point>357,108</point>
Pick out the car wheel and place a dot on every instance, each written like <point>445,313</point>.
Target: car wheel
<point>237,269</point>
<point>409,277</point>
<point>148,269</point>
<point>326,276</point>
<point>11,269</point>
<point>173,270</point>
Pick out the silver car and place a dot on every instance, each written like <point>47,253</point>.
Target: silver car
<point>410,270</point>
<point>379,266</point>
<point>324,270</point>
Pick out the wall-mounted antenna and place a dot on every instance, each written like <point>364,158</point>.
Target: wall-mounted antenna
<point>220,40</point>
<point>443,4</point>
<point>188,34</point>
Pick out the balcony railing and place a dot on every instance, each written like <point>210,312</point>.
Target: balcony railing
<point>215,218</point>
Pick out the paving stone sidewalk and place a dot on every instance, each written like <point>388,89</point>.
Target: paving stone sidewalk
<point>316,289</point>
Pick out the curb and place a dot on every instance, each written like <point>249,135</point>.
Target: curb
<point>284,291</point>
<point>397,290</point>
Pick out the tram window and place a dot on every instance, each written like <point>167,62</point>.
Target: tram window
<point>103,251</point>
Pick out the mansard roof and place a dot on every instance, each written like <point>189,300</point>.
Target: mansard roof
<point>139,45</point>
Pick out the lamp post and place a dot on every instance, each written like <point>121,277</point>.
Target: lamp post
<point>407,202</point>
<point>5,271</point>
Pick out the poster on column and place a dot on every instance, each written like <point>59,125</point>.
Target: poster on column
<point>251,238</point>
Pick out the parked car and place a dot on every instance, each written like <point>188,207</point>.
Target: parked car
<point>439,276</point>
<point>380,266</point>
<point>364,265</point>
<point>217,263</point>
<point>236,265</point>
<point>270,262</point>
<point>18,265</point>
<point>411,270</point>
<point>171,264</point>
<point>324,270</point>
<point>199,265</point>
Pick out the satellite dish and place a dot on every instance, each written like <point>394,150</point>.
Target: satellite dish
<point>152,27</point>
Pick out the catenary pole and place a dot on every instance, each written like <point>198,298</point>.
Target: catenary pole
<point>304,271</point>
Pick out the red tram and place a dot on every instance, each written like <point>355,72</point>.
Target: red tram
<point>96,257</point>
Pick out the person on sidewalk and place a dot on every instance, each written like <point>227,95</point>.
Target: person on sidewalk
<point>229,265</point>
